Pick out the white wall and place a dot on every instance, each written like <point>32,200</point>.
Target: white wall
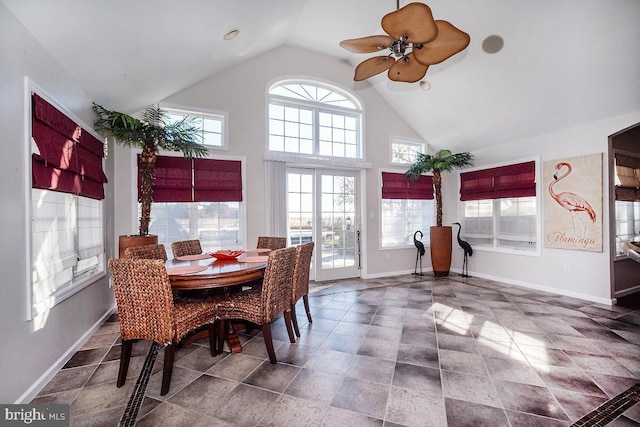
<point>28,350</point>
<point>567,272</point>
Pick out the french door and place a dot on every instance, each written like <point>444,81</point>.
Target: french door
<point>322,206</point>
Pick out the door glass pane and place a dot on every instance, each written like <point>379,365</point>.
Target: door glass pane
<point>338,214</point>
<point>300,207</point>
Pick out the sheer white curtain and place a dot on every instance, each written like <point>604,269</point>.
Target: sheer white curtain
<point>276,203</point>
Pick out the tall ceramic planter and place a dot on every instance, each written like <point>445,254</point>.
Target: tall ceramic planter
<point>132,241</point>
<point>440,245</point>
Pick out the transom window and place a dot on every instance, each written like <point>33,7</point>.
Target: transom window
<point>310,118</point>
<point>211,125</point>
<point>405,152</point>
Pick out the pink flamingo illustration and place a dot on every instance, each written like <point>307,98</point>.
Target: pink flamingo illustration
<point>572,202</point>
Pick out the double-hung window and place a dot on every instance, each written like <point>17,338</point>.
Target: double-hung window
<point>66,209</point>
<point>407,207</point>
<point>198,199</point>
<point>499,207</point>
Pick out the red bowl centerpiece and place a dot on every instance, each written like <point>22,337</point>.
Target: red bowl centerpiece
<point>226,254</point>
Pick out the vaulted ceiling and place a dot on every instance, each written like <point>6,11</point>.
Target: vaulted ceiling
<point>564,62</point>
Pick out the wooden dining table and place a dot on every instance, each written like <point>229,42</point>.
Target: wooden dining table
<point>211,273</point>
<point>198,273</point>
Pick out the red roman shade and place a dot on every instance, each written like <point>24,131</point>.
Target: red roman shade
<point>179,179</point>
<point>399,186</point>
<point>69,158</point>
<point>217,180</point>
<point>517,180</point>
<point>173,179</point>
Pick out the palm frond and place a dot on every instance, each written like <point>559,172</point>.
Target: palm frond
<point>443,160</point>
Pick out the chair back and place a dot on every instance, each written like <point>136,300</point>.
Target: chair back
<point>301,271</point>
<point>186,247</point>
<point>277,284</point>
<point>144,299</point>
<point>273,243</point>
<point>147,252</point>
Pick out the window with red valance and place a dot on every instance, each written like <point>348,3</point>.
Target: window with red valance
<point>399,186</point>
<point>68,158</point>
<point>518,180</point>
<point>406,206</point>
<point>179,179</point>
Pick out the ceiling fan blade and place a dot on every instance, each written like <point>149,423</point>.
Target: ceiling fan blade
<point>372,66</point>
<point>407,70</point>
<point>450,41</point>
<point>414,21</point>
<point>368,44</point>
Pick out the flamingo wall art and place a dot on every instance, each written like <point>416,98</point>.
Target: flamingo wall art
<point>573,203</point>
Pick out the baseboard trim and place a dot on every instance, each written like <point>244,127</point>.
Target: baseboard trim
<point>44,379</point>
<point>556,291</point>
<point>518,283</point>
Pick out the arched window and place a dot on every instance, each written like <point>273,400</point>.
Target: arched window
<point>313,118</point>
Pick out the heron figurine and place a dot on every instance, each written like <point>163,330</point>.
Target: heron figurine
<point>420,254</point>
<point>468,251</point>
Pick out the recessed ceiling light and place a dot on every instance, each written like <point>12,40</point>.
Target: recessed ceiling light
<point>425,85</point>
<point>493,44</point>
<point>231,34</point>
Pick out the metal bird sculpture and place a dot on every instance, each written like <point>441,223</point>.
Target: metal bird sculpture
<point>468,251</point>
<point>420,253</point>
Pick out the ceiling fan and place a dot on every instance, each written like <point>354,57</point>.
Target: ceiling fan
<point>414,41</point>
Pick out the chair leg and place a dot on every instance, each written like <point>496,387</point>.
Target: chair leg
<point>222,333</point>
<point>125,356</point>
<point>213,338</point>
<point>169,354</point>
<point>294,320</point>
<point>266,333</point>
<point>288,322</point>
<point>305,299</point>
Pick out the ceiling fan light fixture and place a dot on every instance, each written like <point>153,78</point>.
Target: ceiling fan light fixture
<point>425,85</point>
<point>414,40</point>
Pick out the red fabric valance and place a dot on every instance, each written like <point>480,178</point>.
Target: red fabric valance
<point>173,179</point>
<point>502,182</point>
<point>217,180</point>
<point>399,186</point>
<point>178,179</point>
<point>69,159</point>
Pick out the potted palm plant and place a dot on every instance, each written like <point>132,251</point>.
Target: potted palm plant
<point>440,236</point>
<point>152,132</point>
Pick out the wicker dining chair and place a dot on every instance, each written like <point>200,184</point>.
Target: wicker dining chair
<point>186,247</point>
<point>301,282</point>
<point>262,306</point>
<point>273,243</point>
<point>147,311</point>
<point>146,252</point>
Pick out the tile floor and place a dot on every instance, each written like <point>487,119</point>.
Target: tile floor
<point>401,351</point>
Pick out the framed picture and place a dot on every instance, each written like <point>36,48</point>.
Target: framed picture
<point>572,203</point>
